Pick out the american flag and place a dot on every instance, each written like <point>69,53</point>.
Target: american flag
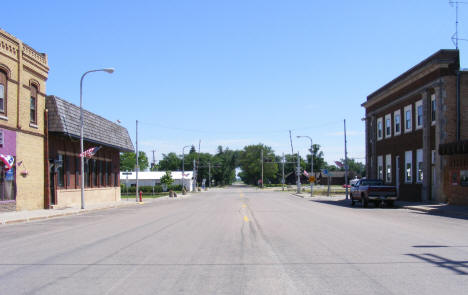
<point>7,160</point>
<point>89,153</point>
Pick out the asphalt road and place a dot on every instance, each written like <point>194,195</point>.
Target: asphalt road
<point>237,241</point>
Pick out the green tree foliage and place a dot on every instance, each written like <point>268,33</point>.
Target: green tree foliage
<point>167,178</point>
<point>170,162</point>
<point>251,165</point>
<point>128,160</point>
<point>319,161</point>
<point>354,166</point>
<point>224,165</point>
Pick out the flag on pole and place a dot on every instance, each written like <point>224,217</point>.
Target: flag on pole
<point>89,153</point>
<point>7,160</point>
<point>339,164</point>
<point>305,173</point>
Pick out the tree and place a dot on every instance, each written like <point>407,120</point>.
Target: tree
<point>354,166</point>
<point>224,165</point>
<point>251,165</point>
<point>170,162</point>
<point>167,178</point>
<point>319,161</point>
<point>128,160</point>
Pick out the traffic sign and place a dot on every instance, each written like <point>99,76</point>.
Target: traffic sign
<point>311,178</point>
<point>325,171</point>
<point>127,173</point>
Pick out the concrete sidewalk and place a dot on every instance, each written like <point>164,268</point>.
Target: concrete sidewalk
<point>426,207</point>
<point>33,215</point>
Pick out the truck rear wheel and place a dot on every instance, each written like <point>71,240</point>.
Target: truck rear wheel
<point>364,201</point>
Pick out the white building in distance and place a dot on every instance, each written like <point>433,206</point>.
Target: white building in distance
<point>152,178</point>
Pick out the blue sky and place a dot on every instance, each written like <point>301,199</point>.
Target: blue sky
<point>233,73</point>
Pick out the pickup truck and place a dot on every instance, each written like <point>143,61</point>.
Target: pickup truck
<point>373,190</point>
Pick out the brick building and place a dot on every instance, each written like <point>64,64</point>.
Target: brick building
<point>23,76</point>
<point>102,171</point>
<point>417,131</point>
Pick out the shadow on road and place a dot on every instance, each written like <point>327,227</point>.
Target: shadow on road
<point>458,267</point>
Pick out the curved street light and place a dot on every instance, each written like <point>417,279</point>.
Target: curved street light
<point>107,70</point>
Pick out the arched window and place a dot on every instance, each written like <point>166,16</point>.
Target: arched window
<point>3,92</point>
<point>33,104</point>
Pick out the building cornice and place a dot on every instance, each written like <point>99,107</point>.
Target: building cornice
<point>441,60</point>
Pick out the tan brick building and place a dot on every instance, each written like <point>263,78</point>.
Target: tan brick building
<point>417,131</point>
<point>23,76</point>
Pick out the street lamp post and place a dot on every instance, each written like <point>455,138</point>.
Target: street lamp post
<point>183,164</point>
<point>311,162</point>
<point>107,70</point>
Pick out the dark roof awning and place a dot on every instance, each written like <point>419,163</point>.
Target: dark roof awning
<point>64,118</point>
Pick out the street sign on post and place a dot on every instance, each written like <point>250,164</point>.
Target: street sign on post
<point>311,178</point>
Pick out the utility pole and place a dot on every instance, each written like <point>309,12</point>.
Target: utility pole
<point>194,187</point>
<point>261,155</point>
<point>346,160</point>
<point>311,162</point>
<point>209,174</point>
<point>282,179</point>
<point>154,159</point>
<point>183,166</point>
<point>137,167</point>
<point>198,158</point>
<point>298,172</point>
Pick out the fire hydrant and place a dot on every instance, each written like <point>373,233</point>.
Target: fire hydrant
<point>141,194</point>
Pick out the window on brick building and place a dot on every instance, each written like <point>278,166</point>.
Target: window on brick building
<point>419,165</point>
<point>380,167</point>
<point>388,125</point>
<point>433,108</point>
<point>388,168</point>
<point>94,172</point>
<point>408,117</point>
<point>419,114</point>
<point>397,118</point>
<point>3,92</point>
<point>33,104</point>
<point>379,129</point>
<point>60,169</point>
<point>408,166</point>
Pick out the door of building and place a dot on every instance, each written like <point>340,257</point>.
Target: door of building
<point>397,175</point>
<point>52,184</point>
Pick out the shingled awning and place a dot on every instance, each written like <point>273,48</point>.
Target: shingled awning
<point>64,117</point>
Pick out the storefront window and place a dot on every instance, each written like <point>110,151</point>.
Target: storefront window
<point>7,184</point>
<point>94,172</point>
<point>59,169</point>
<point>464,177</point>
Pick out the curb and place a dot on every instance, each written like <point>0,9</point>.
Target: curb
<point>49,216</point>
<point>420,209</point>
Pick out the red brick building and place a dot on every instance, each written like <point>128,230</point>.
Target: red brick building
<point>417,131</point>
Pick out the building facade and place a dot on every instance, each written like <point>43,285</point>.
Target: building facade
<point>101,171</point>
<point>416,129</point>
<point>23,76</point>
<point>153,178</point>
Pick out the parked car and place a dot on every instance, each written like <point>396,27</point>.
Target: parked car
<point>373,190</point>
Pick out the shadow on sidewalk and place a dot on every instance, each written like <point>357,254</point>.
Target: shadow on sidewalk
<point>347,203</point>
